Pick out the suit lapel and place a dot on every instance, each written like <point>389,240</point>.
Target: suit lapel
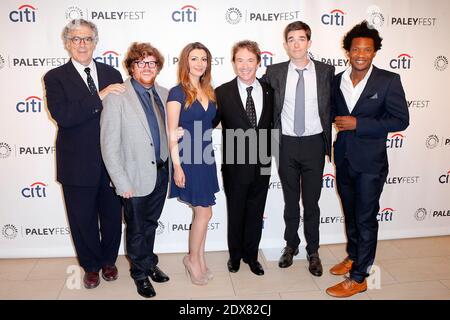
<point>282,78</point>
<point>340,95</point>
<point>265,102</point>
<point>369,89</point>
<point>136,105</point>
<point>75,77</point>
<point>320,82</point>
<point>101,76</point>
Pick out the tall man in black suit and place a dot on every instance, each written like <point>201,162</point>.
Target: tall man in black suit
<point>74,93</point>
<point>302,113</point>
<point>368,103</point>
<point>244,107</point>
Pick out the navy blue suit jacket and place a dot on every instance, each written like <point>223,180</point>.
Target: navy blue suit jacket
<point>381,109</point>
<point>77,113</point>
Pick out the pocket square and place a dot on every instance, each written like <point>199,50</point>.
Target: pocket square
<point>375,96</point>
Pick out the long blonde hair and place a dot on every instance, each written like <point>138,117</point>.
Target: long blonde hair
<point>205,79</point>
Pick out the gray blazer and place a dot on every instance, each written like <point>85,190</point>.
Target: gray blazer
<point>126,142</point>
<point>276,76</point>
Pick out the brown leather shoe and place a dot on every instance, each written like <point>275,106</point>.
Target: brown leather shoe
<point>91,280</point>
<point>347,288</point>
<point>110,273</point>
<point>342,267</point>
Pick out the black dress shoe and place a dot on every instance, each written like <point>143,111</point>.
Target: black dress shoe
<point>315,265</point>
<point>256,268</point>
<point>145,288</point>
<point>157,275</point>
<point>287,257</point>
<point>233,266</point>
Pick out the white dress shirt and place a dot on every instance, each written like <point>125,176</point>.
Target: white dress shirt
<point>312,119</point>
<point>352,93</point>
<point>80,68</point>
<point>257,95</point>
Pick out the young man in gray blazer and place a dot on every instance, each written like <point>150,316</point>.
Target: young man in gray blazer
<point>302,114</point>
<point>135,150</point>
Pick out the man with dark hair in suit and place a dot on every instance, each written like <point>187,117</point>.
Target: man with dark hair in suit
<point>368,103</point>
<point>244,107</point>
<point>74,93</point>
<point>302,112</point>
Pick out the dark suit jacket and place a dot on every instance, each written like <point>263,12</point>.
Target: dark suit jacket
<point>276,76</point>
<point>231,112</point>
<point>77,113</point>
<point>381,109</point>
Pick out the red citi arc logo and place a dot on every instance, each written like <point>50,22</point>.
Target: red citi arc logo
<point>403,61</point>
<point>335,17</point>
<point>395,141</point>
<point>32,104</point>
<point>328,181</point>
<point>187,13</point>
<point>109,57</point>
<point>385,215</point>
<point>266,58</point>
<point>36,190</point>
<point>25,13</point>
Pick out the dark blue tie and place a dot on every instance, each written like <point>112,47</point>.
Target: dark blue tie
<point>90,81</point>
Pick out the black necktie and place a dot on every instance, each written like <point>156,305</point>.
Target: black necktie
<point>250,107</point>
<point>90,81</point>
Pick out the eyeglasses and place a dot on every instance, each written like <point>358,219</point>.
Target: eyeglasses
<point>142,64</point>
<point>77,40</point>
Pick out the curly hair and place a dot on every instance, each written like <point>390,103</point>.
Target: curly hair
<point>139,51</point>
<point>251,46</point>
<point>362,30</point>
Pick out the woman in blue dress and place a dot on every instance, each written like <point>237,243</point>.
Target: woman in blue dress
<point>191,105</point>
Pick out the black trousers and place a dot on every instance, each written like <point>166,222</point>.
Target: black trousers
<point>360,194</point>
<point>245,208</point>
<point>141,217</point>
<point>96,245</point>
<point>301,164</point>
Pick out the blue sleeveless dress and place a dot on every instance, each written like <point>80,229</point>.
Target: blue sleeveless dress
<point>196,152</point>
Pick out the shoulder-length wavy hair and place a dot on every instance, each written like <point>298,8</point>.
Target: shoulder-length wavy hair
<point>205,79</point>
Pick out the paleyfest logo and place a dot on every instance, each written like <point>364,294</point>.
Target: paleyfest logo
<point>233,16</point>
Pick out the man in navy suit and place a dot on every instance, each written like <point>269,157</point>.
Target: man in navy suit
<point>368,103</point>
<point>74,93</point>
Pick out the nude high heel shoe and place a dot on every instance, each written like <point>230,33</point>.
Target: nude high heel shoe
<point>201,281</point>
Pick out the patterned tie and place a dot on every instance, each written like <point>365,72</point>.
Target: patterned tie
<point>90,81</point>
<point>250,107</point>
<point>299,113</point>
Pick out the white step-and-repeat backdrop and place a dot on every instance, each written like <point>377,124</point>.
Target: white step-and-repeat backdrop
<point>416,198</point>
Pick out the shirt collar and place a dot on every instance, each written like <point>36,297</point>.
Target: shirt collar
<point>243,86</point>
<point>309,66</point>
<point>139,87</point>
<point>346,74</point>
<point>81,67</point>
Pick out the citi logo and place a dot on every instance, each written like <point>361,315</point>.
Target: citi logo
<point>187,13</point>
<point>266,58</point>
<point>385,214</point>
<point>395,141</point>
<point>31,104</point>
<point>328,181</point>
<point>335,17</point>
<point>403,61</point>
<point>25,13</point>
<point>36,190</point>
<point>445,178</point>
<point>109,57</point>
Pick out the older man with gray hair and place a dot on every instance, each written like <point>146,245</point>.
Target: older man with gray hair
<point>74,93</point>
